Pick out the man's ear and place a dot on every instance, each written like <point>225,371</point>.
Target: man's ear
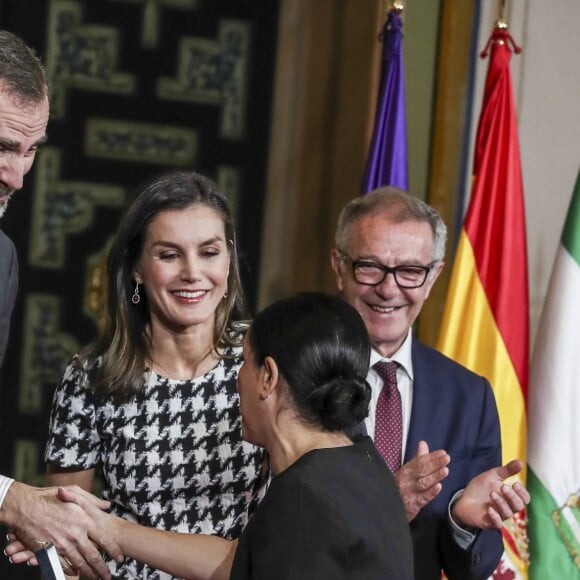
<point>437,269</point>
<point>270,375</point>
<point>336,263</point>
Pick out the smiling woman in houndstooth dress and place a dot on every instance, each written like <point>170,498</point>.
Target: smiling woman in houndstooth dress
<point>153,403</point>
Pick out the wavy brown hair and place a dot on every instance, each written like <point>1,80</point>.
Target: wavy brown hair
<point>123,346</point>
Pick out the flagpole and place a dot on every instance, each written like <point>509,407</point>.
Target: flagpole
<point>488,293</point>
<point>386,162</point>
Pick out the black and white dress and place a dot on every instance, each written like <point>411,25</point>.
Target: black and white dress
<point>171,458</point>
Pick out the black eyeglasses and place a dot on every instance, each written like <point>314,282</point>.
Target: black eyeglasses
<point>371,274</point>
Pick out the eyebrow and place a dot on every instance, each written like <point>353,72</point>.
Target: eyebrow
<point>9,143</point>
<point>375,260</point>
<point>13,145</point>
<point>212,241</point>
<point>176,245</point>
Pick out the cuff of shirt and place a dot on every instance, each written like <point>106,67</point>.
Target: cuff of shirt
<point>5,483</point>
<point>463,537</point>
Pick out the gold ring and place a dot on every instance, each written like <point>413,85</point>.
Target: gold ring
<point>44,544</point>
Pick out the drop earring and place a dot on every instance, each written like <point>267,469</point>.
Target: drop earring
<point>136,298</point>
<point>226,294</point>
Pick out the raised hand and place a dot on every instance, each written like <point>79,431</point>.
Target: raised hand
<point>487,501</point>
<point>420,479</point>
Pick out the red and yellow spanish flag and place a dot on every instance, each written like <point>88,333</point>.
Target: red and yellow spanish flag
<point>485,323</point>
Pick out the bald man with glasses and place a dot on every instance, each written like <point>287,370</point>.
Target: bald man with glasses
<point>435,422</point>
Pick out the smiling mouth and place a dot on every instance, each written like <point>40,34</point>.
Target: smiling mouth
<point>384,309</point>
<point>190,295</point>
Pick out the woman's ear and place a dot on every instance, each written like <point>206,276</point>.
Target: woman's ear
<point>270,375</point>
<point>137,277</point>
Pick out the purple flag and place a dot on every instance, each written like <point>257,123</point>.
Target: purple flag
<point>387,160</point>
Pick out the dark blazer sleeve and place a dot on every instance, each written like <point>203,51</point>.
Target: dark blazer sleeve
<point>453,409</point>
<point>8,288</point>
<point>483,555</point>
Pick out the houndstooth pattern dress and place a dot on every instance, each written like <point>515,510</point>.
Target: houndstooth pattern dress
<point>172,458</point>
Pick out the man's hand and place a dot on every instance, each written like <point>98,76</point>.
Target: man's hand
<point>487,501</point>
<point>420,479</point>
<point>37,515</point>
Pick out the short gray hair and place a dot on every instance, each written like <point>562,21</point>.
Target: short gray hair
<point>400,207</point>
<point>22,75</point>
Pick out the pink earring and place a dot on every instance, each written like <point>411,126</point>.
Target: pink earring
<point>226,294</point>
<point>136,298</point>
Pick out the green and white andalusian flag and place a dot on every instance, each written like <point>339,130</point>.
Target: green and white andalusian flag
<point>554,417</point>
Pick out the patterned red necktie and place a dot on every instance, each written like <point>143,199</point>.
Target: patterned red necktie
<point>389,416</point>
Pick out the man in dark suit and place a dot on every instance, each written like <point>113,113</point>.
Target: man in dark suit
<point>389,252</point>
<point>35,514</point>
<point>23,120</point>
<point>8,287</point>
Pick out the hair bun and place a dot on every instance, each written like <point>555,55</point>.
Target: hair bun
<point>341,402</point>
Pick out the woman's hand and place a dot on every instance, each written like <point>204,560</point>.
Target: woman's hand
<point>18,553</point>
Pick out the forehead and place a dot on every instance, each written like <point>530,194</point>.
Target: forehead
<point>22,122</point>
<point>195,223</point>
<point>379,236</point>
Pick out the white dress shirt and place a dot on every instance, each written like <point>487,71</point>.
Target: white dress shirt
<point>404,383</point>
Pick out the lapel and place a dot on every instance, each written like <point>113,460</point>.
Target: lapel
<point>424,400</point>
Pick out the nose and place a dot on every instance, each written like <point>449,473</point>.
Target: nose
<point>12,173</point>
<point>190,269</point>
<point>387,285</point>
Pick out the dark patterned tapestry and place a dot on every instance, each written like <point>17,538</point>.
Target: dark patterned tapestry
<point>138,88</point>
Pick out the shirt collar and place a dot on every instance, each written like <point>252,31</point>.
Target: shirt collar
<point>402,356</point>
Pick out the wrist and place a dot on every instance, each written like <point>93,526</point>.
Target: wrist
<point>455,513</point>
<point>5,485</point>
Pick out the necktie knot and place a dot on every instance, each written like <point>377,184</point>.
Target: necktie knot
<point>387,370</point>
<point>389,416</point>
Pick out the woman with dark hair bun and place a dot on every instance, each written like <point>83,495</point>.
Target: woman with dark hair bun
<point>321,349</point>
<point>332,510</point>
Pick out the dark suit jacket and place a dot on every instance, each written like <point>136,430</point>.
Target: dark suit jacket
<point>8,288</point>
<point>455,410</point>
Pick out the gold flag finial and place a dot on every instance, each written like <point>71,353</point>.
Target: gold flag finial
<point>397,5</point>
<point>502,24</point>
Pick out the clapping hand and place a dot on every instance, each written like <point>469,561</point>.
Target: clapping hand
<point>487,501</point>
<point>419,480</point>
